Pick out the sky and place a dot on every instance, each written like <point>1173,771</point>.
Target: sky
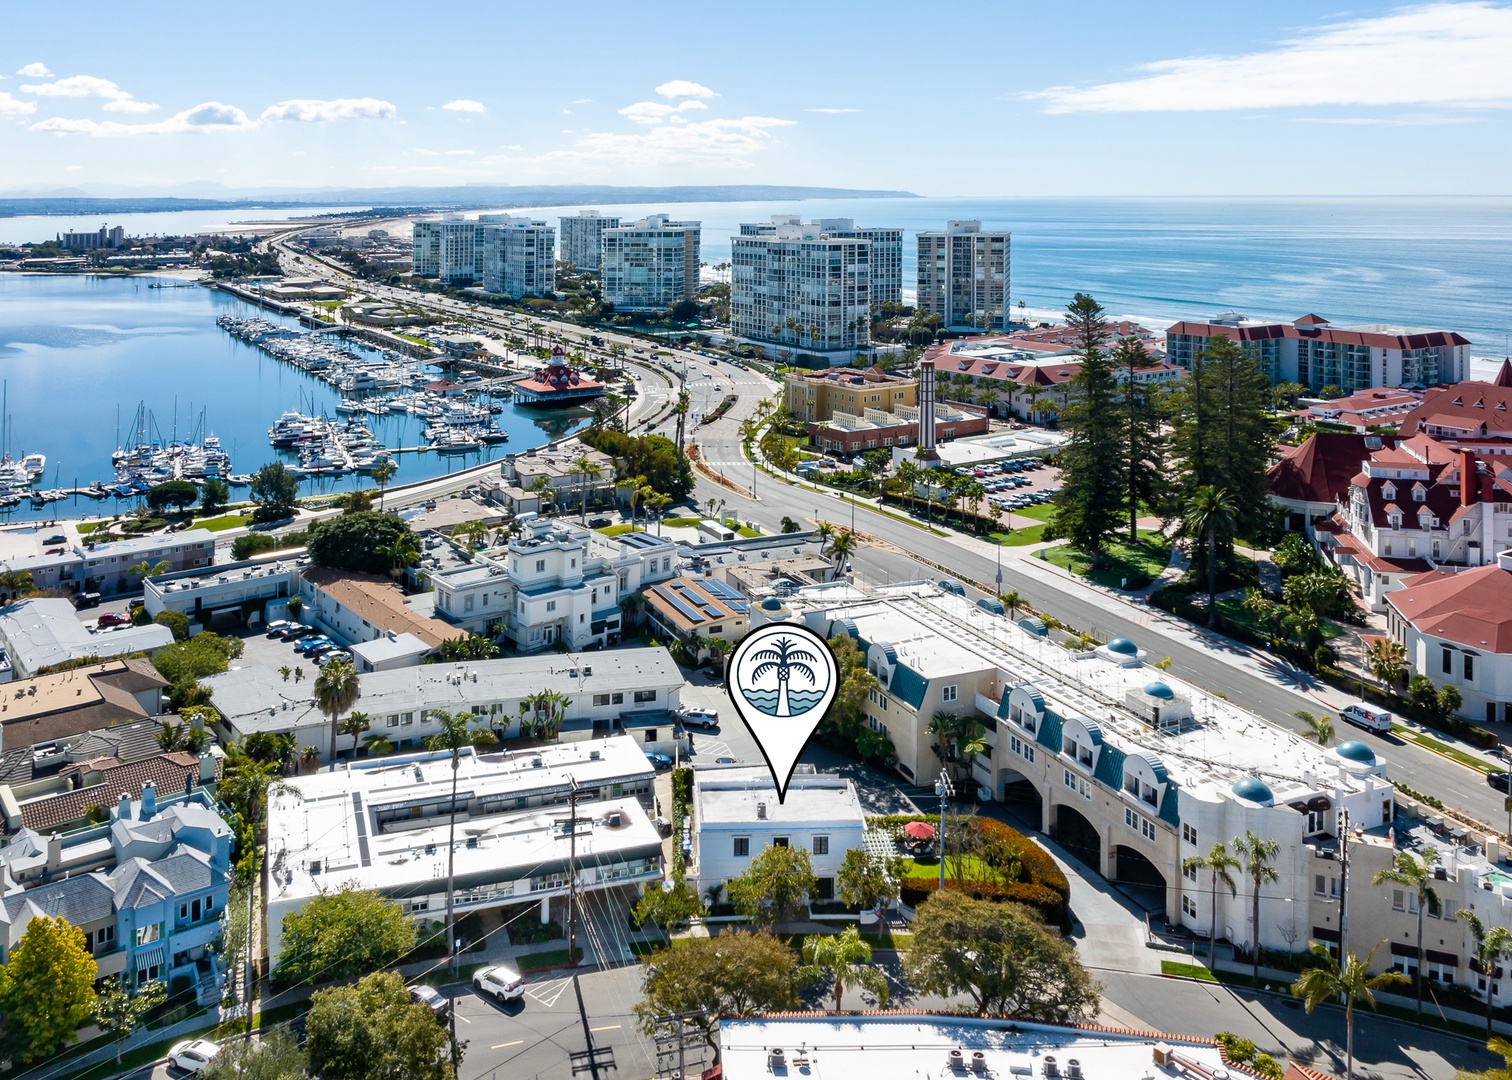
<point>995,98</point>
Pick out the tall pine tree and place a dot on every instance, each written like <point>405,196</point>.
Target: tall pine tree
<point>1144,441</point>
<point>1090,505</point>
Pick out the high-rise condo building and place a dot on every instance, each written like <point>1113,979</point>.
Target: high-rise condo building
<point>963,275</point>
<point>583,239</point>
<point>518,255</point>
<point>801,287</point>
<point>886,249</point>
<point>650,264</point>
<point>451,250</point>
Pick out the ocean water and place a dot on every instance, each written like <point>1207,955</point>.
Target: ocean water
<point>799,701</point>
<point>79,353</point>
<point>36,228</point>
<point>1443,263</point>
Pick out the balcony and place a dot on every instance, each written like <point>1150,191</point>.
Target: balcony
<point>204,932</point>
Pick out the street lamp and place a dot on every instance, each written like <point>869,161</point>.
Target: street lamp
<point>944,789</point>
<point>999,541</point>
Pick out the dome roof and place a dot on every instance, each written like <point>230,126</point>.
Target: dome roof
<point>1253,789</point>
<point>1356,751</point>
<point>1160,690</point>
<point>1123,645</point>
<point>771,603</point>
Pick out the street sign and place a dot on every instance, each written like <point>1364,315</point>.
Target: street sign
<point>1507,804</point>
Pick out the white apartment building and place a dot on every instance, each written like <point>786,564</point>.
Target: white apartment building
<point>451,249</point>
<point>963,275</point>
<point>650,264</point>
<point>886,249</point>
<point>518,255</point>
<point>736,816</point>
<point>801,288</point>
<point>1130,768</point>
<point>558,583</point>
<point>384,825</point>
<point>583,238</point>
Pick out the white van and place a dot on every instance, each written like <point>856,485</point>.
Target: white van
<point>1365,715</point>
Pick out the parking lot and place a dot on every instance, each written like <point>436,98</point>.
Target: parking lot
<point>1015,485</point>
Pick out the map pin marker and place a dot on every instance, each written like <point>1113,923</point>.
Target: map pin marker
<point>781,680</point>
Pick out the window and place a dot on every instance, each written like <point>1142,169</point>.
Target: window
<point>1469,667</point>
<point>742,847</point>
<point>949,693</point>
<point>1189,872</point>
<point>821,845</point>
<point>1147,828</point>
<point>540,566</point>
<point>1188,834</point>
<point>1446,660</point>
<point>643,696</point>
<point>1189,907</point>
<point>1314,822</point>
<point>392,721</point>
<point>145,935</point>
<point>551,605</point>
<point>779,841</point>
<point>1131,819</point>
<point>1320,885</point>
<point>467,602</point>
<point>616,699</point>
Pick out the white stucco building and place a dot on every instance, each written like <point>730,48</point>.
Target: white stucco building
<point>519,255</point>
<point>801,287</point>
<point>650,264</point>
<point>963,275</point>
<point>583,238</point>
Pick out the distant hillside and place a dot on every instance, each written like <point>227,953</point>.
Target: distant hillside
<point>77,202</point>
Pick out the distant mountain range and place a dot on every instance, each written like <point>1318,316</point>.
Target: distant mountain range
<point>205,195</point>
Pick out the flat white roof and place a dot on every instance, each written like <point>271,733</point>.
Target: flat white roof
<point>46,631</point>
<point>742,797</point>
<point>389,648</point>
<point>852,1048</point>
<point>354,824</point>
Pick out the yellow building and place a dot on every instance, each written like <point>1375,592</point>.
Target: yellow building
<point>814,397</point>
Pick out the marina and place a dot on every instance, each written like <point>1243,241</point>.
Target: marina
<point>112,386</point>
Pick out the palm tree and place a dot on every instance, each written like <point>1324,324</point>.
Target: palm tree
<point>1220,865</point>
<point>355,725</point>
<point>1353,983</point>
<point>146,569</point>
<point>971,740</point>
<point>1320,729</point>
<point>382,473</point>
<point>337,689</point>
<point>583,468</point>
<point>908,475</point>
<point>1256,853</point>
<point>1012,602</point>
<point>16,583</point>
<point>658,502</point>
<point>944,726</point>
<point>1209,512</point>
<point>1490,945</point>
<point>543,490</point>
<point>841,549</point>
<point>848,958</point>
<point>286,671</point>
<point>402,553</point>
<point>452,734</point>
<point>631,605</point>
<point>1387,660</point>
<point>783,657</point>
<point>247,784</point>
<point>473,534</point>
<point>1415,874</point>
<point>377,745</point>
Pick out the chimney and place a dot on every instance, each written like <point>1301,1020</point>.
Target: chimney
<point>149,801</point>
<point>123,807</point>
<point>206,768</point>
<point>54,851</point>
<point>1469,484</point>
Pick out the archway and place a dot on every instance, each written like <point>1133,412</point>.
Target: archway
<point>1071,829</point>
<point>1020,798</point>
<point>1133,868</point>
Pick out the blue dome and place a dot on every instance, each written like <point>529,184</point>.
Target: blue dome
<point>771,603</point>
<point>1123,645</point>
<point>1160,690</point>
<point>1253,789</point>
<point>1356,751</point>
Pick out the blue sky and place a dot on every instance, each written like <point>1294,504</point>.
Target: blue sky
<point>1165,97</point>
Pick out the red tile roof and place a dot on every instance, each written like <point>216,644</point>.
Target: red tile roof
<point>168,773</point>
<point>1320,470</point>
<point>1472,608</point>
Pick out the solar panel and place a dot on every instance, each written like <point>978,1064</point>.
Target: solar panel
<point>683,609</point>
<point>720,589</point>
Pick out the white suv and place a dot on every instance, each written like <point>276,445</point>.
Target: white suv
<point>500,982</point>
<point>193,1056</point>
<point>700,718</point>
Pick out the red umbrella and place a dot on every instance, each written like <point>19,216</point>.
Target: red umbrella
<point>919,830</point>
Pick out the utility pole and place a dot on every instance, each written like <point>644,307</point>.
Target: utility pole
<point>571,822</point>
<point>1343,889</point>
<point>676,1035</point>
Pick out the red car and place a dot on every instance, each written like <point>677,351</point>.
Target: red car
<point>112,618</point>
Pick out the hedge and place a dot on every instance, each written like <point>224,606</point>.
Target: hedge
<point>1043,885</point>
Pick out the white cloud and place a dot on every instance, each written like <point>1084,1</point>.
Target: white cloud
<point>654,112</point>
<point>35,71</point>
<point>130,105</point>
<point>832,110</point>
<point>77,86</point>
<point>311,110</point>
<point>11,107</point>
<point>1447,53</point>
<point>464,105</point>
<point>583,101</point>
<point>207,117</point>
<point>683,88</point>
<point>705,143</point>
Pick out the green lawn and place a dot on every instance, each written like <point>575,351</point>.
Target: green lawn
<point>1428,742</point>
<point>1032,535</point>
<point>681,522</point>
<point>974,867</point>
<point>1235,611</point>
<point>1123,566</point>
<point>1041,512</point>
<point>1190,971</point>
<point>90,526</point>
<point>617,530</point>
<point>225,521</point>
<point>748,532</point>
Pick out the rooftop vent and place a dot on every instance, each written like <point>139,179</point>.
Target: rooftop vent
<point>595,755</point>
<point>776,1059</point>
<point>761,811</point>
<point>535,762</point>
<point>979,1063</point>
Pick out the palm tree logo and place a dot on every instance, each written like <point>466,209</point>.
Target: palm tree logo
<point>784,658</point>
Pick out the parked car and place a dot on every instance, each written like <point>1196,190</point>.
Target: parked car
<point>700,718</point>
<point>56,538</point>
<point>311,646</point>
<point>598,523</point>
<point>86,600</point>
<point>296,630</point>
<point>193,1056</point>
<point>437,1002</point>
<point>1501,781</point>
<point>660,761</point>
<point>724,761</point>
<point>112,618</point>
<point>277,627</point>
<point>500,982</point>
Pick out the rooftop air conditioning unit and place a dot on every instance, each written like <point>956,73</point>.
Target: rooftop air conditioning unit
<point>979,1063</point>
<point>616,820</point>
<point>594,755</point>
<point>955,1060</point>
<point>1052,1067</point>
<point>535,763</point>
<point>1073,1069</point>
<point>776,1059</point>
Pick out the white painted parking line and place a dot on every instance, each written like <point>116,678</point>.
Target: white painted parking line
<point>501,1046</point>
<point>606,1027</point>
<point>549,993</point>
